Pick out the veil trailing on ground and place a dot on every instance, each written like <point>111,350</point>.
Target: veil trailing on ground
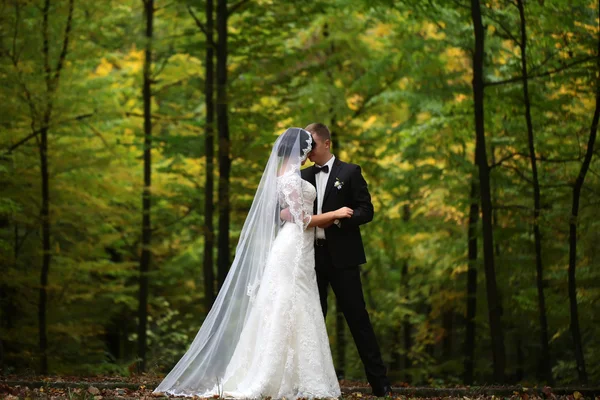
<point>202,367</point>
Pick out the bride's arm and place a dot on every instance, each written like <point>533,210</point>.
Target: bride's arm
<point>326,220</point>
<point>328,217</point>
<point>322,220</point>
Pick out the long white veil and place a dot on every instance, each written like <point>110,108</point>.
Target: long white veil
<point>203,366</point>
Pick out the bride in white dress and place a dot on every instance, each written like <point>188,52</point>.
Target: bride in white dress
<point>265,334</point>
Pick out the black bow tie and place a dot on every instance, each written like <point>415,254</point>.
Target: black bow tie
<point>324,168</point>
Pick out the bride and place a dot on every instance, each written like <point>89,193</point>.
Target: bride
<point>265,334</point>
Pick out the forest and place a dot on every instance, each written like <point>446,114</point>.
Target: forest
<point>133,135</point>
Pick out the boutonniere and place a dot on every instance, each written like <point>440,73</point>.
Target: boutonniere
<point>338,184</point>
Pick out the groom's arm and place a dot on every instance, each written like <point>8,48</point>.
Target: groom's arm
<point>363,208</point>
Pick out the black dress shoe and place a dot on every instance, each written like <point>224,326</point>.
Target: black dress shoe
<point>385,391</point>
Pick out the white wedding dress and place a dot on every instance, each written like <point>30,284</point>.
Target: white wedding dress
<point>264,335</point>
<point>283,350</point>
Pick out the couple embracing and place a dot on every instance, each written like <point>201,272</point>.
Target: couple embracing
<point>265,335</point>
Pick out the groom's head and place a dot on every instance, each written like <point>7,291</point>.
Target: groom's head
<point>321,152</point>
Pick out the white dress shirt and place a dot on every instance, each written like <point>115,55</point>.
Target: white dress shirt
<point>321,181</point>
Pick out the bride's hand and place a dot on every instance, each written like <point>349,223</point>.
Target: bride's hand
<point>344,212</point>
<point>285,215</point>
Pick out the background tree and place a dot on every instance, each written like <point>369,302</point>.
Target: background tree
<point>146,258</point>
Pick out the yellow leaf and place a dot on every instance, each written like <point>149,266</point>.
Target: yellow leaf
<point>423,116</point>
<point>354,102</point>
<point>382,30</point>
<point>460,97</point>
<point>577,395</point>
<point>104,68</point>
<point>369,122</point>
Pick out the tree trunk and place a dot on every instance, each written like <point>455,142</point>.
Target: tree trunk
<point>575,330</point>
<point>45,209</point>
<point>406,324</point>
<point>223,262</point>
<point>447,324</point>
<point>403,333</point>
<point>145,259</point>
<point>396,363</point>
<point>52,78</point>
<point>471,285</point>
<point>407,343</point>
<point>494,307</point>
<point>333,126</point>
<point>45,214</point>
<point>209,275</point>
<point>7,302</point>
<point>495,196</point>
<point>520,369</point>
<point>545,360</point>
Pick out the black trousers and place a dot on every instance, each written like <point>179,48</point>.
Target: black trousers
<point>347,286</point>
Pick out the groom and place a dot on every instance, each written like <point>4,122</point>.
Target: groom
<point>339,249</point>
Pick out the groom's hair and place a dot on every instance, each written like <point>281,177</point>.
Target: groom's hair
<point>319,129</point>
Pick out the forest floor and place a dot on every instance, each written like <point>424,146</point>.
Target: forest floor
<point>14,387</point>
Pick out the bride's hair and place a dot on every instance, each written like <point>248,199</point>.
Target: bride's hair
<point>289,139</point>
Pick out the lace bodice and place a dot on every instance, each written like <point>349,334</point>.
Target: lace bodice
<point>298,196</point>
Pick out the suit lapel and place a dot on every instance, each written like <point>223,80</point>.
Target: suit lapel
<point>310,175</point>
<point>337,165</point>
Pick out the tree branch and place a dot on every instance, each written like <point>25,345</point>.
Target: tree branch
<point>63,52</point>
<point>546,60</point>
<point>528,180</point>
<point>46,44</point>
<point>166,86</point>
<point>200,25</point>
<point>164,7</point>
<point>36,132</point>
<point>590,190</point>
<point>20,243</point>
<point>547,73</point>
<point>159,69</point>
<point>506,158</point>
<point>99,134</point>
<point>176,220</point>
<point>14,43</point>
<point>163,117</point>
<point>505,29</point>
<point>511,207</point>
<point>235,7</point>
<point>14,57</point>
<point>539,158</point>
<point>558,160</point>
<point>594,172</point>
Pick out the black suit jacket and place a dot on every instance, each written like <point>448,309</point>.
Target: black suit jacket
<point>345,242</point>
